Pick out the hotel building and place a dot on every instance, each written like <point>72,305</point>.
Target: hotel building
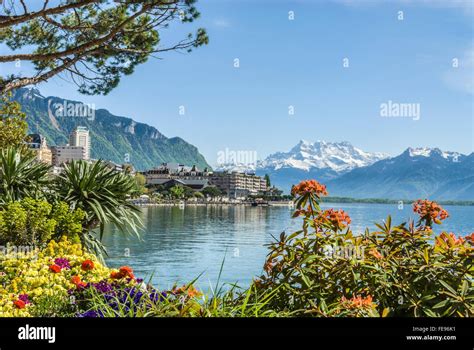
<point>170,174</point>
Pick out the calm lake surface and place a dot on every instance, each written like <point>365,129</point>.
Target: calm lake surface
<point>178,245</point>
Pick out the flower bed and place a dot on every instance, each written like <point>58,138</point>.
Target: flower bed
<point>26,278</point>
<point>63,280</point>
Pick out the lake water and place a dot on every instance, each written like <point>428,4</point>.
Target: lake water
<point>178,245</point>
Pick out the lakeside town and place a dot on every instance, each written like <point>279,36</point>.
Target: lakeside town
<point>168,183</point>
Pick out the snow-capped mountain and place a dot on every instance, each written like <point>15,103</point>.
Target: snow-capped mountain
<point>416,173</point>
<point>337,156</point>
<point>350,172</point>
<point>434,152</point>
<point>314,160</point>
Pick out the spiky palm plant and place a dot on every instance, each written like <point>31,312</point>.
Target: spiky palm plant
<point>21,175</point>
<point>101,192</point>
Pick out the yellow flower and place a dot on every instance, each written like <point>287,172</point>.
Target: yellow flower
<point>30,275</point>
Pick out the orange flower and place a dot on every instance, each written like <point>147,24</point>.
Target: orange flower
<point>190,291</point>
<point>430,211</point>
<point>178,290</point>
<point>307,187</point>
<point>450,239</point>
<point>268,267</point>
<point>76,280</point>
<point>87,265</point>
<point>258,283</point>
<point>127,271</point>
<point>193,292</point>
<point>20,304</point>
<point>470,237</point>
<point>115,275</point>
<point>337,218</point>
<point>55,268</point>
<point>357,302</point>
<point>124,271</point>
<point>376,253</point>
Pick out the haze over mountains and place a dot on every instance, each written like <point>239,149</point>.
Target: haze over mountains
<point>114,138</point>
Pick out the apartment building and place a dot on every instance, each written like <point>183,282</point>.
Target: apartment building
<point>238,185</point>
<point>79,137</point>
<point>65,154</point>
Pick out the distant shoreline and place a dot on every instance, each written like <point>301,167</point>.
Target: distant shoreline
<point>390,201</point>
<point>287,203</point>
<point>178,203</point>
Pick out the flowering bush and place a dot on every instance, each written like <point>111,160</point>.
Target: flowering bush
<point>326,270</point>
<point>28,278</point>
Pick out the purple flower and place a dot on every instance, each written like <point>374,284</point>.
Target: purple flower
<point>103,287</point>
<point>119,298</point>
<point>24,298</point>
<point>63,263</point>
<point>156,296</point>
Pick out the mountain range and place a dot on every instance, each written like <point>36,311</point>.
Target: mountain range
<point>416,173</point>
<point>319,160</point>
<point>115,138</point>
<point>350,172</point>
<point>346,170</point>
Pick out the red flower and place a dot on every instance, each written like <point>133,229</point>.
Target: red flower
<point>127,271</point>
<point>54,268</point>
<point>20,304</point>
<point>76,280</point>
<point>87,265</point>
<point>115,275</point>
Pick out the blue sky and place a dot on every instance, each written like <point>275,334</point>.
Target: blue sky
<point>299,63</point>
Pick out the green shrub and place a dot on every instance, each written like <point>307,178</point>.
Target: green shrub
<point>402,270</point>
<point>35,222</point>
